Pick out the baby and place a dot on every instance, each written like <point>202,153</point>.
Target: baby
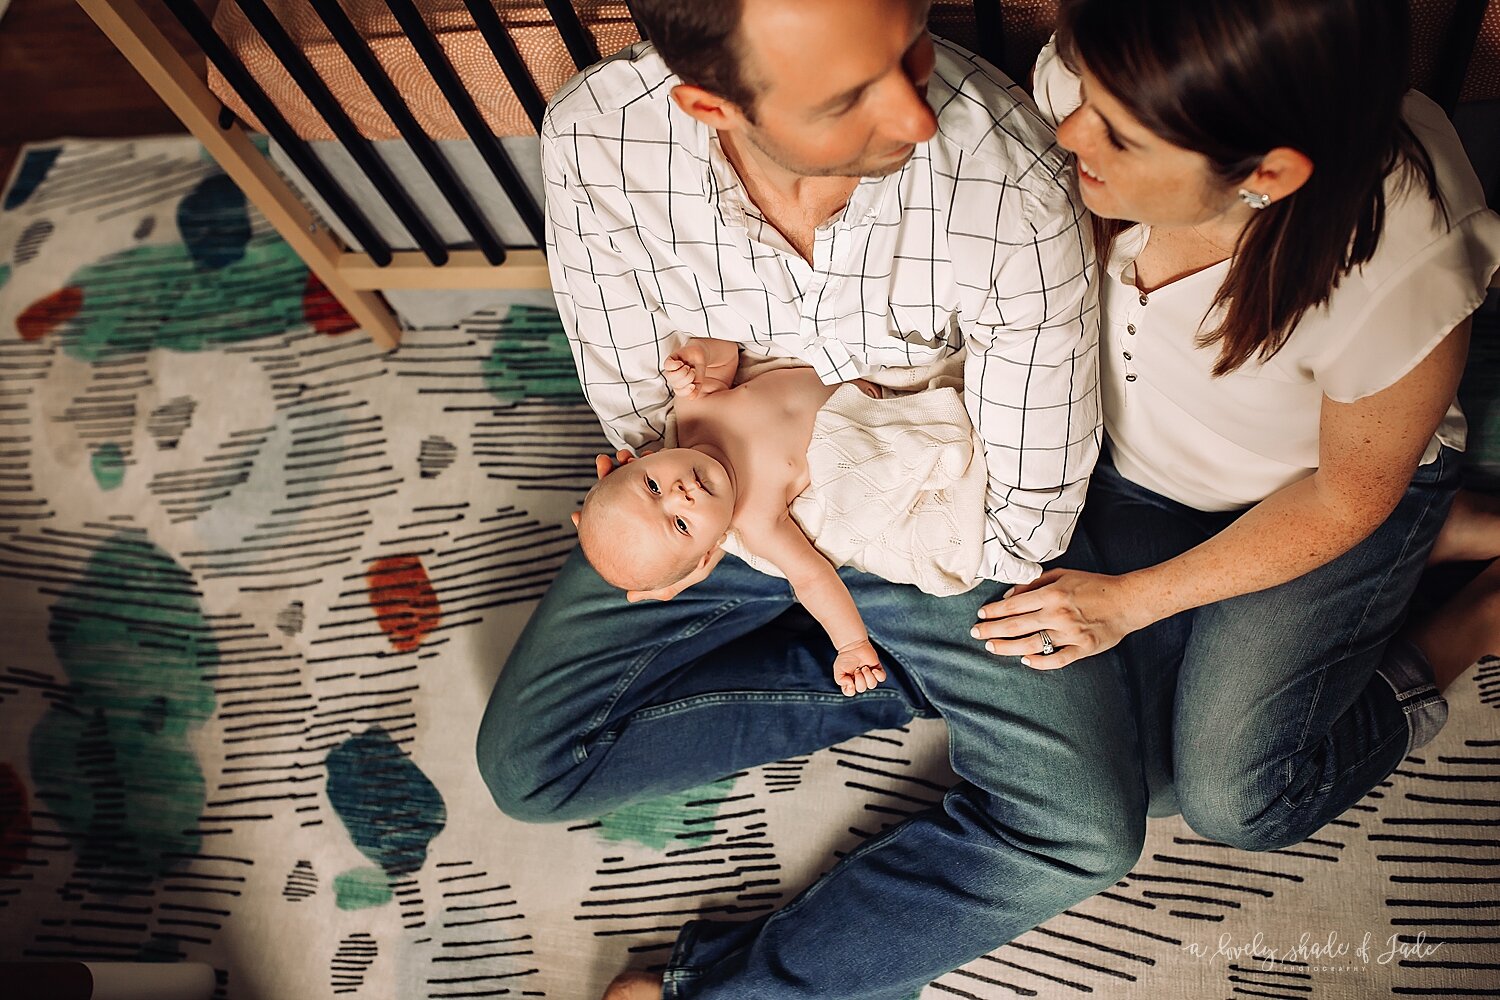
<point>655,525</point>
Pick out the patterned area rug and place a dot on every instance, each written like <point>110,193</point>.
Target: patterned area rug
<point>259,578</point>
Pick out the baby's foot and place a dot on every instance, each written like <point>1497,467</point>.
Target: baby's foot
<point>634,986</point>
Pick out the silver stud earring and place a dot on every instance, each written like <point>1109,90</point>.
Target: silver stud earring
<point>1255,200</point>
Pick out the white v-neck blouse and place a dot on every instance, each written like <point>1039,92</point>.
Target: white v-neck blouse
<point>1227,443</point>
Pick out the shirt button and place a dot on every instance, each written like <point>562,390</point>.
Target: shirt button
<point>1127,355</point>
<point>1130,329</point>
<point>1143,298</point>
<point>1130,378</point>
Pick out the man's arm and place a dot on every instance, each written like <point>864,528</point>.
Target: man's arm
<point>618,334</point>
<point>1031,387</point>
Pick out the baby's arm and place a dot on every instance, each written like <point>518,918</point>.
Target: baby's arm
<point>702,366</point>
<point>817,585</point>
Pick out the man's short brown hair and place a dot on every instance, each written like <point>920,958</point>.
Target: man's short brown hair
<point>700,42</point>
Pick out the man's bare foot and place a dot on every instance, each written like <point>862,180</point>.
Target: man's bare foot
<point>634,986</point>
<point>1454,637</point>
<point>1472,531</point>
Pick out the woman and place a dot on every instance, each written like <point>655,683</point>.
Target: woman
<point>1291,248</point>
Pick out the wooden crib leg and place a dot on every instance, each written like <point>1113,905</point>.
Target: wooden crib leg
<point>169,74</point>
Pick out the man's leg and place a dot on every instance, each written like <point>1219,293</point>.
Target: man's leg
<point>603,702</point>
<point>1052,810</point>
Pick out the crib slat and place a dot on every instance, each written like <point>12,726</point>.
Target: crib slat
<point>506,54</point>
<point>579,42</point>
<point>989,26</point>
<point>484,140</point>
<point>196,24</point>
<point>356,145</point>
<point>374,76</point>
<point>1456,52</point>
<point>640,29</point>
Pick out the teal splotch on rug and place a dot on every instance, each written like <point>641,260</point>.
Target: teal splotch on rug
<point>530,358</point>
<point>390,808</point>
<point>685,817</point>
<point>113,762</point>
<point>34,169</point>
<point>5,272</point>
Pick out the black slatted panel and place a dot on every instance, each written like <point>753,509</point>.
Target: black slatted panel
<point>357,145</point>
<point>196,24</point>
<point>1456,52</point>
<point>639,27</point>
<point>989,27</point>
<point>457,94</point>
<point>427,153</point>
<point>579,42</point>
<point>511,64</point>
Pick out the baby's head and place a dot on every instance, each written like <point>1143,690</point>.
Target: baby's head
<point>652,521</point>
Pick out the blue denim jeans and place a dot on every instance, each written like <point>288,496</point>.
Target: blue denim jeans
<point>1265,716</point>
<point>604,702</point>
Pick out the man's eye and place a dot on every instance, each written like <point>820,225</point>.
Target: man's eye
<point>651,485</point>
<point>682,526</point>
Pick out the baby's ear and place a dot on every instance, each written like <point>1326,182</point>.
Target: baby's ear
<point>577,516</point>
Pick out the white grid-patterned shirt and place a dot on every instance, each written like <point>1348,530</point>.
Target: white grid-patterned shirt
<point>978,245</point>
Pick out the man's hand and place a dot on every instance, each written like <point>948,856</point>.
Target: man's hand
<point>857,668</point>
<point>700,368</point>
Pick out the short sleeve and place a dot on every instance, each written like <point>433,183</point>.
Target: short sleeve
<point>1401,316</point>
<point>1055,88</point>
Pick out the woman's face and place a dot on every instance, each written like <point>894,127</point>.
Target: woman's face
<point>1126,172</point>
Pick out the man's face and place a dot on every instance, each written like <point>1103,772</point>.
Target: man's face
<point>842,84</point>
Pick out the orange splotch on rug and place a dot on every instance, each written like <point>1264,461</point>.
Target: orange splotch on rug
<point>405,604</point>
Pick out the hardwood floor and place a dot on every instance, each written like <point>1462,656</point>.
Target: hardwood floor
<point>61,77</point>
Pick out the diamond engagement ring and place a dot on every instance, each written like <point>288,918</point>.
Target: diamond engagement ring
<point>1047,647</point>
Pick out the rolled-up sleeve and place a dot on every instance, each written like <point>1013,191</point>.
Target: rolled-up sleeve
<point>1032,388</point>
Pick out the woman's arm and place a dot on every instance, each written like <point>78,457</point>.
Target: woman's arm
<point>1368,451</point>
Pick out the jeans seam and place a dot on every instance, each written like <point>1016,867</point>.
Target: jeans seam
<point>1379,748</point>
<point>1357,631</point>
<point>633,672</point>
<point>725,697</point>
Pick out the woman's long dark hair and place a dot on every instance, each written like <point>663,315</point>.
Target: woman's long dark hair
<point>1234,79</point>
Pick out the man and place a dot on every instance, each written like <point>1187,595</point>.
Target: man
<point>819,179</point>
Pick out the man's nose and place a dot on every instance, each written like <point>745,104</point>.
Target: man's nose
<point>909,118</point>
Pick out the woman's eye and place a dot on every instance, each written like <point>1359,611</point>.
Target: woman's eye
<point>1114,141</point>
<point>651,485</point>
<point>682,526</point>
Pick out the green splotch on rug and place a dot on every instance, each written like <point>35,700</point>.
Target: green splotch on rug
<point>682,817</point>
<point>361,888</point>
<point>132,638</point>
<point>530,358</point>
<point>108,465</point>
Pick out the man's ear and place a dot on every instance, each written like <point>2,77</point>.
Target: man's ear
<point>577,516</point>
<point>707,107</point>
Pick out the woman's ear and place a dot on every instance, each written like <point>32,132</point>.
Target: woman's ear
<point>1282,172</point>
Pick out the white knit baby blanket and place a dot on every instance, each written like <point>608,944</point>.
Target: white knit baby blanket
<point>897,489</point>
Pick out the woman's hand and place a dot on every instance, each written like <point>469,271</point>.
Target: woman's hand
<point>1082,613</point>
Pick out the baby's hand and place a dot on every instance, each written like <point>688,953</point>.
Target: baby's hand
<point>857,668</point>
<point>689,374</point>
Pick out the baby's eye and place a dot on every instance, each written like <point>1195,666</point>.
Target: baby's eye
<point>651,485</point>
<point>682,525</point>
